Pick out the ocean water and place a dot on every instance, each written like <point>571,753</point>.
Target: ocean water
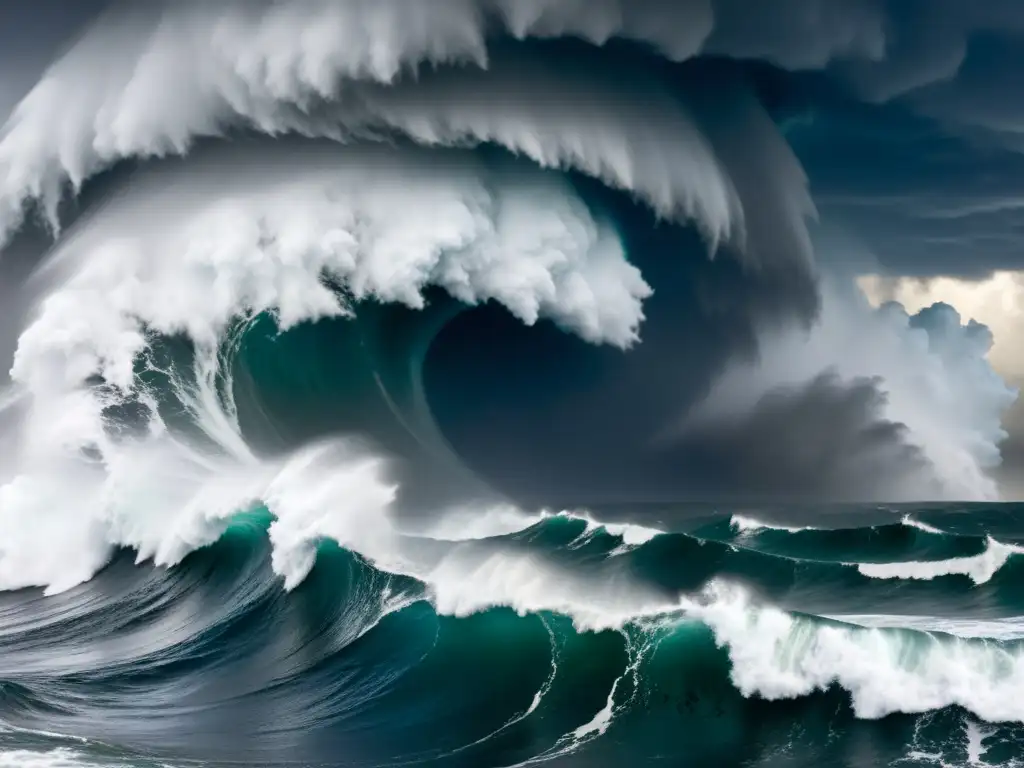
<point>887,636</point>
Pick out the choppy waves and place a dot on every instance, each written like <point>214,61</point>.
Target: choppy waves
<point>704,631</point>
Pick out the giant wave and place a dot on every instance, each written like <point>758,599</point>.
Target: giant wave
<point>322,312</point>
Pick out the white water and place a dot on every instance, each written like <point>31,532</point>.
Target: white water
<point>776,655</point>
<point>467,524</point>
<point>151,79</point>
<point>56,758</point>
<point>976,748</point>
<point>631,534</point>
<point>980,568</point>
<point>746,525</point>
<point>62,758</point>
<point>910,522</point>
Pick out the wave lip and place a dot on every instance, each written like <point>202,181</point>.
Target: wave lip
<point>912,522</point>
<point>979,568</point>
<point>745,525</point>
<point>470,523</point>
<point>777,655</point>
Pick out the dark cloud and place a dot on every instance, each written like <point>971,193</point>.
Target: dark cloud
<point>827,438</point>
<point>906,117</point>
<point>927,197</point>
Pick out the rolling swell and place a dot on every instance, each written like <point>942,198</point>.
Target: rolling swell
<point>360,662</point>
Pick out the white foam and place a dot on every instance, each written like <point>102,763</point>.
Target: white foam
<point>910,522</point>
<point>974,735</point>
<point>980,568</point>
<point>538,697</point>
<point>777,655</point>
<point>599,724</point>
<point>748,524</point>
<point>745,524</point>
<point>55,758</point>
<point>631,534</point>
<point>976,749</point>
<point>466,581</point>
<point>339,491</point>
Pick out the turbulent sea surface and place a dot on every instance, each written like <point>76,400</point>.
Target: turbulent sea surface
<point>886,638</point>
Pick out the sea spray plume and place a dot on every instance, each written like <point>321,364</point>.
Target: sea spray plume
<point>37,37</point>
<point>778,655</point>
<point>935,390</point>
<point>574,115</point>
<point>829,438</point>
<point>279,68</point>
